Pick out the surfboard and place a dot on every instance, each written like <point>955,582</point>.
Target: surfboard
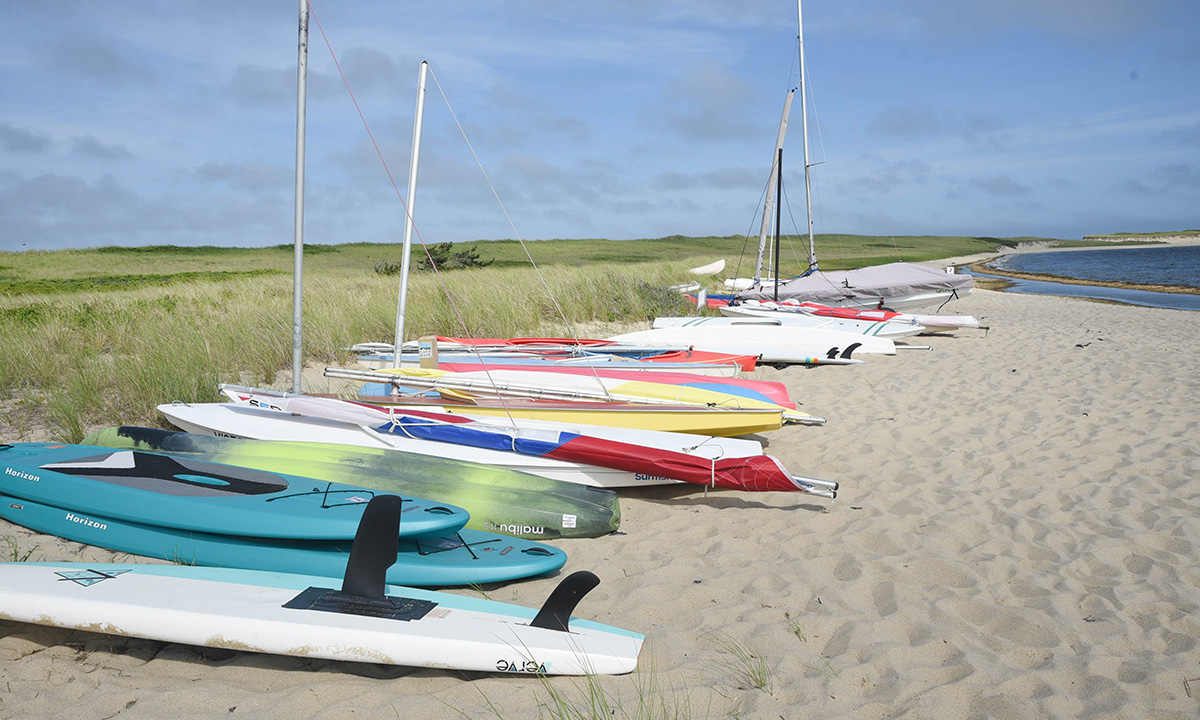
<point>201,496</point>
<point>306,616</point>
<point>498,499</point>
<point>468,557</point>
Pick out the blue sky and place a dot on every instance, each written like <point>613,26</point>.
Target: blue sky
<point>148,122</point>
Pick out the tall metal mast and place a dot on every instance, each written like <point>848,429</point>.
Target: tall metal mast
<point>298,243</point>
<point>402,303</point>
<point>812,250</point>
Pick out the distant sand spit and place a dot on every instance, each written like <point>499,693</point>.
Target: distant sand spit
<point>1017,536</point>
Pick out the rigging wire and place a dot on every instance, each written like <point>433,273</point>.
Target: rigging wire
<point>441,280</point>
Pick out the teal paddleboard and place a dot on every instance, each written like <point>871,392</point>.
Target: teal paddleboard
<point>202,496</point>
<point>468,557</point>
<point>498,499</point>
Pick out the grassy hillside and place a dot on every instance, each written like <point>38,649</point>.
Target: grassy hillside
<point>34,272</point>
<point>101,336</point>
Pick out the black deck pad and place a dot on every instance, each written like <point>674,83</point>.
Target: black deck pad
<point>387,607</point>
<point>171,475</point>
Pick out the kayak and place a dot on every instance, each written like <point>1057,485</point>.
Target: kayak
<point>498,499</point>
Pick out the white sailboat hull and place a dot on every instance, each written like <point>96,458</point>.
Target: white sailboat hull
<point>887,328</point>
<point>230,420</point>
<point>772,343</point>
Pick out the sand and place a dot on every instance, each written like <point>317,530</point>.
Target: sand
<point>1017,536</point>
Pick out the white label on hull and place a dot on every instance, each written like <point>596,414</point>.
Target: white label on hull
<point>86,521</point>
<point>22,474</point>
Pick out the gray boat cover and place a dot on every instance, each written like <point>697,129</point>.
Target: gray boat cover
<point>869,284</point>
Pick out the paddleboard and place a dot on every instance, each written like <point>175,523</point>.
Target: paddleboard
<point>365,620</point>
<point>202,496</point>
<point>468,557</point>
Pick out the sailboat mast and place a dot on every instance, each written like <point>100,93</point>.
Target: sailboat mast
<point>771,183</point>
<point>778,218</point>
<point>298,241</point>
<point>402,303</point>
<point>812,250</point>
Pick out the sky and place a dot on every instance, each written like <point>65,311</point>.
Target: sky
<point>168,123</point>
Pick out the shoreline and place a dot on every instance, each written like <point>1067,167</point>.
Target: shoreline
<point>980,263</point>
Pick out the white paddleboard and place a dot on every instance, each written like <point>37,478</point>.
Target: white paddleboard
<point>304,616</point>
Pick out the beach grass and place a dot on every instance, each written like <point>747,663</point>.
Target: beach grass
<point>101,336</point>
<point>72,358</point>
<point>746,665</point>
<point>14,551</point>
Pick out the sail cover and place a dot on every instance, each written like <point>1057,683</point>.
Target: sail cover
<point>866,285</point>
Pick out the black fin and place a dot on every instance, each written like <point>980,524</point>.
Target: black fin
<point>375,547</point>
<point>852,348</point>
<point>556,612</point>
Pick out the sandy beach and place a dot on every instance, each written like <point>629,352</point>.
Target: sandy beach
<point>1017,536</point>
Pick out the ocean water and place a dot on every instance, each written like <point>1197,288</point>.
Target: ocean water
<point>1159,265</point>
<point>1162,265</point>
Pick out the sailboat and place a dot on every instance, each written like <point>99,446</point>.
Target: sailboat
<point>894,286</point>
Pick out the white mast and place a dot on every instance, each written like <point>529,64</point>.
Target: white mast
<point>764,233</point>
<point>812,250</point>
<point>408,216</point>
<point>298,252</point>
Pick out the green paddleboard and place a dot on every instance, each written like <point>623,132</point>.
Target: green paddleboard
<point>499,500</point>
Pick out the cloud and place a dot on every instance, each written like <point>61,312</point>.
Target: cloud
<point>726,178</point>
<point>254,85</point>
<point>705,103</point>
<point>249,177</point>
<point>1176,174</point>
<point>19,140</point>
<point>1133,186</point>
<point>1000,185</point>
<point>1091,19</point>
<point>374,71</point>
<point>97,59</point>
<point>908,122</point>
<point>88,146</point>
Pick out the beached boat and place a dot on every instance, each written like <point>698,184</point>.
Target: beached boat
<point>568,350</point>
<point>895,286</point>
<point>774,342</point>
<point>498,499</point>
<point>855,325</point>
<point>762,390</point>
<point>566,387</point>
<point>384,360</point>
<point>661,455</point>
<point>791,308</point>
<point>668,418</point>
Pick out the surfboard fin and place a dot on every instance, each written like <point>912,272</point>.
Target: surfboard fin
<point>850,350</point>
<point>556,612</point>
<point>376,544</point>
